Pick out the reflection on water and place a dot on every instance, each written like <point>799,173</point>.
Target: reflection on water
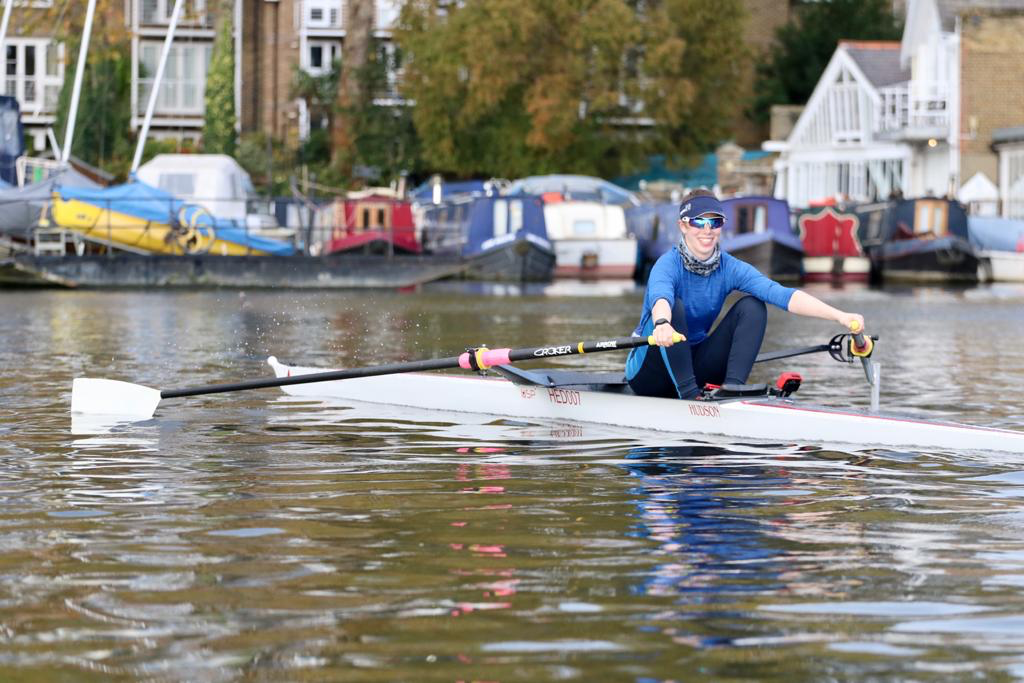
<point>257,536</point>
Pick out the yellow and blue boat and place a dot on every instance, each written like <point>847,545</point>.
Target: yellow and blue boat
<point>141,218</point>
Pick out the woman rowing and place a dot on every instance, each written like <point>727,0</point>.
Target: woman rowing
<point>685,293</point>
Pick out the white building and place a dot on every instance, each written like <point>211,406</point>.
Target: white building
<point>914,117</point>
<point>872,128</point>
<point>1009,144</point>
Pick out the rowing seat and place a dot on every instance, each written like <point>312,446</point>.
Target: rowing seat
<point>611,382</point>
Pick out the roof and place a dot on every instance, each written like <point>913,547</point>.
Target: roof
<point>580,185</point>
<point>1004,135</point>
<point>879,60</point>
<point>949,10</point>
<point>193,162</point>
<point>704,173</point>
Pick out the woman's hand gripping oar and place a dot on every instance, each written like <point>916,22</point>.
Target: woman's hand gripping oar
<point>93,396</point>
<point>861,346</point>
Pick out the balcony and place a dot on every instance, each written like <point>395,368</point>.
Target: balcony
<point>914,111</point>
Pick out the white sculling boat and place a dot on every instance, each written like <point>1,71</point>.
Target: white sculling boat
<point>744,412</point>
<point>604,399</point>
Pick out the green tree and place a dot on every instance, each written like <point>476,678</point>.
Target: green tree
<point>385,140</point>
<point>353,96</point>
<point>514,87</point>
<point>219,119</point>
<point>320,93</point>
<point>102,135</point>
<point>804,46</point>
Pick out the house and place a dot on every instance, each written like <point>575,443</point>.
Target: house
<point>1009,146</point>
<point>273,38</point>
<point>914,117</point>
<point>34,70</point>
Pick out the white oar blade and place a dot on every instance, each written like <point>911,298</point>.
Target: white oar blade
<point>110,397</point>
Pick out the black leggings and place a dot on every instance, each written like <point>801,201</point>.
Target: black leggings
<point>726,356</point>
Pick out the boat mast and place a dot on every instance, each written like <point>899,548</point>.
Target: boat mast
<point>83,51</point>
<point>3,52</point>
<point>155,90</point>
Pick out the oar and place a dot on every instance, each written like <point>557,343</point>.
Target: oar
<point>842,347</point>
<point>112,397</point>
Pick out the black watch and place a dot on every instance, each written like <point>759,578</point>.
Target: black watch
<point>661,321</point>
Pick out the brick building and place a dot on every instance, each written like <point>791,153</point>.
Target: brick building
<point>992,77</point>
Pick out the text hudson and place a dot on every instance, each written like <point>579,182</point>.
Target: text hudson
<point>705,411</point>
<point>567,397</point>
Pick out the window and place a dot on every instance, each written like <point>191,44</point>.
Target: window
<point>750,218</point>
<point>158,12</point>
<point>321,56</point>
<point>33,73</point>
<point>184,79</point>
<point>323,14</point>
<point>391,57</point>
<point>10,135</point>
<point>500,217</point>
<point>930,217</point>
<point>584,228</point>
<point>178,184</point>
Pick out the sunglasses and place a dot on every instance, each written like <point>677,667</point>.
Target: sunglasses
<point>712,222</point>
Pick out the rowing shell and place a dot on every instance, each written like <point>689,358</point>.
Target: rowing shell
<point>767,418</point>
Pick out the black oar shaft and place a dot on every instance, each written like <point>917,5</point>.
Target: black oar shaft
<point>789,353</point>
<point>513,355</point>
<point>393,368</point>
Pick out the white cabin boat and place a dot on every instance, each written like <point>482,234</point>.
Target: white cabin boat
<point>216,182</point>
<point>591,239</point>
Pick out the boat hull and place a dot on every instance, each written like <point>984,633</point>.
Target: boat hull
<point>335,271</point>
<point>772,419</point>
<point>939,260</point>
<point>519,260</point>
<point>1001,266</point>
<point>608,258</point>
<point>136,234</point>
<point>836,269</point>
<point>775,259</point>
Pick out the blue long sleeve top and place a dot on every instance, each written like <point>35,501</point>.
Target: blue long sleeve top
<point>702,295</point>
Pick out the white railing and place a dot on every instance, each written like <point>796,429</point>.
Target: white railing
<point>918,105</point>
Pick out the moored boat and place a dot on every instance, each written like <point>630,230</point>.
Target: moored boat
<point>370,224</point>
<point>923,240</point>
<point>1000,245</point>
<point>590,238</point>
<point>606,399</point>
<point>832,249</point>
<point>139,218</point>
<point>757,230</point>
<point>501,238</point>
<point>586,219</point>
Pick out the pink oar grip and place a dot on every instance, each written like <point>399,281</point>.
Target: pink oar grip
<point>485,358</point>
<point>493,357</point>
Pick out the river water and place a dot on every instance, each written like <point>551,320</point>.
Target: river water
<point>249,536</point>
